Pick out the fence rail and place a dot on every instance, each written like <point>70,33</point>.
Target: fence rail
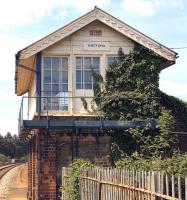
<point>116,184</point>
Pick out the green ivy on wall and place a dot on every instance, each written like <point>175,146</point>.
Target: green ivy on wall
<point>130,91</point>
<point>178,109</point>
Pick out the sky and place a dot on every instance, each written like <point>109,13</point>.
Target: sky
<point>25,21</point>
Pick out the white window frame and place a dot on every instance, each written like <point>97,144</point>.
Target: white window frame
<point>109,56</point>
<point>83,69</point>
<point>65,94</point>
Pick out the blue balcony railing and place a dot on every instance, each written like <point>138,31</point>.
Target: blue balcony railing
<point>64,104</point>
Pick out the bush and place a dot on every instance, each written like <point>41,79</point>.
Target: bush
<point>22,159</point>
<point>72,186</point>
<point>4,158</point>
<point>176,165</point>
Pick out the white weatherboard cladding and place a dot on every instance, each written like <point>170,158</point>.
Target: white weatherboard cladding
<point>75,42</point>
<point>73,46</point>
<point>96,46</point>
<point>102,16</point>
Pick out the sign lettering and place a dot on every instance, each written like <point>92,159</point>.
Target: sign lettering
<point>97,46</point>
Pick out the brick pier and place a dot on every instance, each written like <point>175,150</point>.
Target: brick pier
<point>49,151</point>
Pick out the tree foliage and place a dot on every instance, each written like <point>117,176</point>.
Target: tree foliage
<point>12,146</point>
<point>178,109</point>
<point>72,185</point>
<point>177,164</point>
<point>130,91</point>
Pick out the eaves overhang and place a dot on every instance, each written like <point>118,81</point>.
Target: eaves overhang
<point>29,52</point>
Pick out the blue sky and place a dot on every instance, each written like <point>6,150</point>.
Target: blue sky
<point>25,21</point>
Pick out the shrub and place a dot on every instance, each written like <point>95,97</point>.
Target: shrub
<point>72,186</point>
<point>4,158</point>
<point>177,164</point>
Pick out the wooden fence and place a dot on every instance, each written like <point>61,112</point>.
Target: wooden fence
<point>115,184</point>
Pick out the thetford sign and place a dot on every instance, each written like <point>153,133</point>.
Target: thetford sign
<point>100,46</point>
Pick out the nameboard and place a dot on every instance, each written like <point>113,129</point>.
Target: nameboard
<point>97,46</point>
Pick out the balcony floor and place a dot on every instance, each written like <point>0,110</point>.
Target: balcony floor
<point>105,124</point>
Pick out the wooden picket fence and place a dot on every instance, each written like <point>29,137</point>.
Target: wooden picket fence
<point>115,184</point>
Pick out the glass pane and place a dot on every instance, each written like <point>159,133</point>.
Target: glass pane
<point>47,76</point>
<point>47,63</point>
<point>55,64</point>
<point>78,86</point>
<point>47,87</point>
<point>87,63</point>
<point>46,94</point>
<point>64,64</point>
<point>112,60</point>
<point>78,76</point>
<point>88,86</point>
<point>64,87</point>
<point>55,77</point>
<point>55,102</point>
<point>78,62</point>
<point>46,103</point>
<point>55,87</point>
<point>96,62</point>
<point>64,77</point>
<point>87,76</point>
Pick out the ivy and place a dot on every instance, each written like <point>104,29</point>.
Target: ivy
<point>178,109</point>
<point>130,91</point>
<point>72,186</point>
<point>177,164</point>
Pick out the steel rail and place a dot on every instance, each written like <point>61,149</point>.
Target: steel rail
<point>7,168</point>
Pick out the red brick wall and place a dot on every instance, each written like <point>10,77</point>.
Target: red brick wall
<point>29,156</point>
<point>51,150</point>
<point>48,165</point>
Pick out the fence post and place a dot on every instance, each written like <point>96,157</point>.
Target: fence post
<point>179,188</point>
<point>173,186</point>
<point>99,178</point>
<point>153,186</point>
<point>186,188</point>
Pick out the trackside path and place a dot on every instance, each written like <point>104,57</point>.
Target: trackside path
<point>13,185</point>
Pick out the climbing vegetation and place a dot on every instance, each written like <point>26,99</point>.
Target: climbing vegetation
<point>130,91</point>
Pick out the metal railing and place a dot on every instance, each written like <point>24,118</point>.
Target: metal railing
<point>63,103</point>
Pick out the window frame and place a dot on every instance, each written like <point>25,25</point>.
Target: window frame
<point>109,56</point>
<point>51,84</point>
<point>83,70</point>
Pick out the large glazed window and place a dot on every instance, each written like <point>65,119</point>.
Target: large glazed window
<point>55,83</point>
<point>113,60</point>
<point>84,67</point>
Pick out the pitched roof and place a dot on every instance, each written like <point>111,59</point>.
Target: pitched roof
<point>102,16</point>
<point>26,56</point>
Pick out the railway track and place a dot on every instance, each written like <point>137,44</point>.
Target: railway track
<point>4,169</point>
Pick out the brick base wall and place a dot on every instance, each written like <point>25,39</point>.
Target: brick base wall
<point>90,146</point>
<point>49,151</point>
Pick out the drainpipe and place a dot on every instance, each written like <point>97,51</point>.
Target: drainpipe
<point>38,109</point>
<point>38,82</point>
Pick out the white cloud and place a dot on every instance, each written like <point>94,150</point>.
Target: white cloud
<point>23,12</point>
<point>176,89</point>
<point>149,7</point>
<point>139,7</point>
<point>9,103</point>
<point>10,44</point>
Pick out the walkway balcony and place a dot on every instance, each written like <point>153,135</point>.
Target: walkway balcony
<point>65,111</point>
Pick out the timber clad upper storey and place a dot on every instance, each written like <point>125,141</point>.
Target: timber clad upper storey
<point>58,67</point>
<point>56,72</point>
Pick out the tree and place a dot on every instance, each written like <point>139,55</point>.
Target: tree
<point>130,91</point>
<point>12,146</point>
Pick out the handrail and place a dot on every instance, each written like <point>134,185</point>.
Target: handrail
<point>60,104</point>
